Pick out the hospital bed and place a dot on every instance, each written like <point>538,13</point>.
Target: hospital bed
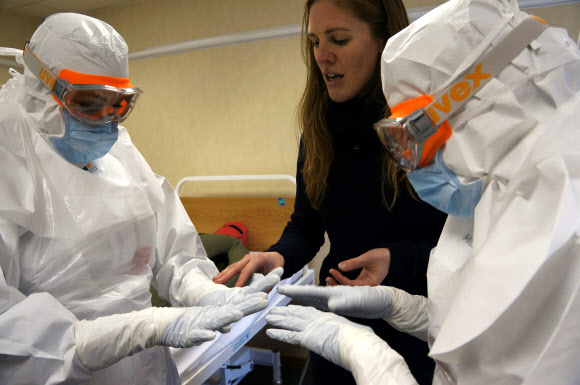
<point>226,360</point>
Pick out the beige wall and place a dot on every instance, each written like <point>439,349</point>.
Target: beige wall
<point>15,30</point>
<point>223,110</point>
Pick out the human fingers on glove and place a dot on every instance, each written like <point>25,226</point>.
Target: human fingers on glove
<point>251,305</point>
<point>247,307</point>
<point>316,296</point>
<point>230,296</point>
<point>196,325</point>
<point>252,263</point>
<point>311,328</point>
<point>375,265</point>
<point>353,301</point>
<point>224,295</point>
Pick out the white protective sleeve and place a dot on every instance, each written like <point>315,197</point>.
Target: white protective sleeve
<point>107,340</point>
<point>182,272</point>
<point>371,360</point>
<point>409,313</point>
<point>33,352</point>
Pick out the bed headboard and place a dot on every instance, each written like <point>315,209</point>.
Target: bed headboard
<point>265,218</point>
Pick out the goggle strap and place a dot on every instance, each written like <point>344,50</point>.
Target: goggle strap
<point>481,72</point>
<point>43,73</point>
<point>420,125</point>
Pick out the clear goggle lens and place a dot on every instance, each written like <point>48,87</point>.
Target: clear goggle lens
<point>96,104</point>
<point>399,143</point>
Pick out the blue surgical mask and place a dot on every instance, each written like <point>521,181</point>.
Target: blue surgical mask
<point>440,187</point>
<point>82,143</point>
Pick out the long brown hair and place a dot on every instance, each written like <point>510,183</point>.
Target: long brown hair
<point>385,18</point>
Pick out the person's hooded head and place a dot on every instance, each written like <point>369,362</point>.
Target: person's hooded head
<point>495,98</point>
<point>77,85</point>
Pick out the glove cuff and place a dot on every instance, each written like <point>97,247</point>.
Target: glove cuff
<point>370,359</point>
<point>194,287</point>
<point>107,340</point>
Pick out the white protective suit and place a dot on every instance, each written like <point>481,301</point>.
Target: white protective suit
<point>503,285</point>
<point>504,304</point>
<point>81,245</point>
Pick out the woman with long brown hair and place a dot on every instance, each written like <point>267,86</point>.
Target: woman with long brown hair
<point>379,232</point>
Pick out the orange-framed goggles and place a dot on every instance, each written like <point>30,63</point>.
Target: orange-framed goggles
<point>92,99</point>
<point>417,128</point>
<point>410,136</point>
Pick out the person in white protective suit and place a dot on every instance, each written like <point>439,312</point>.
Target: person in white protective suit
<point>86,226</point>
<point>504,304</point>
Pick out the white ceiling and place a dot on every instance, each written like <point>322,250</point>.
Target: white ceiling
<point>44,8</point>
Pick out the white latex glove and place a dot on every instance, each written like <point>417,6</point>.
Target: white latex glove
<point>311,328</point>
<point>371,302</point>
<point>347,344</point>
<point>221,294</point>
<point>106,340</point>
<point>405,312</point>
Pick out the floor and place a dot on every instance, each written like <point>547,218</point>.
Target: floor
<point>292,370</point>
<point>292,358</point>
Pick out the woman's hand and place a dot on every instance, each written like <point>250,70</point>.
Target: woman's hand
<point>252,263</point>
<point>375,266</point>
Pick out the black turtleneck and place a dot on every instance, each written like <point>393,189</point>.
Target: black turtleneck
<point>356,219</point>
<point>353,213</point>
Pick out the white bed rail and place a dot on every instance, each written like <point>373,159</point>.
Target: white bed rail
<point>232,177</point>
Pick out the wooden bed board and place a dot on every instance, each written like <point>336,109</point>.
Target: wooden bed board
<point>265,218</point>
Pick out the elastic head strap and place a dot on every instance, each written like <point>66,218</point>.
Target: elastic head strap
<point>42,72</point>
<point>79,78</point>
<point>482,71</point>
<point>473,79</point>
<point>434,142</point>
<point>57,84</point>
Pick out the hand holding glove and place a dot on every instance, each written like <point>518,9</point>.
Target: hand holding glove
<point>405,312</point>
<point>347,344</point>
<point>106,340</point>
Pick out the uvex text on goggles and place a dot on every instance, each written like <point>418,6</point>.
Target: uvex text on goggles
<point>414,133</point>
<point>92,99</point>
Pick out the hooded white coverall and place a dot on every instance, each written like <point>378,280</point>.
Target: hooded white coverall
<point>504,304</point>
<point>503,285</point>
<point>78,245</point>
